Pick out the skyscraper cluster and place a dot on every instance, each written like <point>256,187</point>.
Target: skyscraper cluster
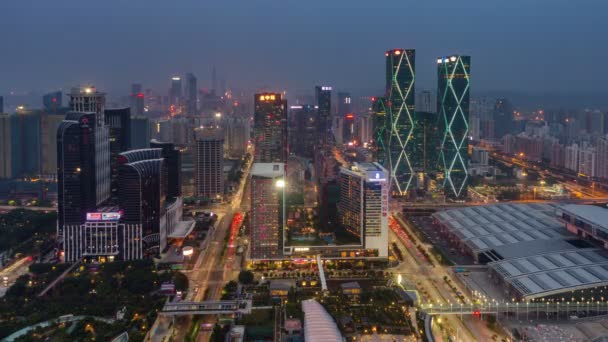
<point>415,144</point>
<point>113,202</point>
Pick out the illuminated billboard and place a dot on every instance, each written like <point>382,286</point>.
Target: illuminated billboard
<point>103,216</point>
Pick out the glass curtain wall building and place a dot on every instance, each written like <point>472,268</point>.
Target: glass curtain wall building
<point>453,105</point>
<point>400,97</point>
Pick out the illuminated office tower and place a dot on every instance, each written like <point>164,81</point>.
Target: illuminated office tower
<point>344,104</point>
<point>267,210</point>
<point>453,106</point>
<point>323,99</point>
<point>400,97</point>
<point>270,128</point>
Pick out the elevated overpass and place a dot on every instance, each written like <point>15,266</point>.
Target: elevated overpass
<point>560,307</point>
<point>210,307</point>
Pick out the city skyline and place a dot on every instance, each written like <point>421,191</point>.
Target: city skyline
<point>526,40</point>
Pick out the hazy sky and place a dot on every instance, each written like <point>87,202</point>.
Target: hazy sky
<point>530,45</point>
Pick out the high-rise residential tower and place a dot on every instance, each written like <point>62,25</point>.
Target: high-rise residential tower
<point>453,106</point>
<point>267,210</point>
<point>400,99</point>
<point>209,163</point>
<point>270,128</point>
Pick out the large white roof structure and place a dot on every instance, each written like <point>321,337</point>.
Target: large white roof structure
<point>554,273</point>
<point>319,326</point>
<point>503,226</point>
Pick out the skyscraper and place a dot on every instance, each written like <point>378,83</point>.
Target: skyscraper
<point>380,130</point>
<point>344,104</point>
<point>175,92</point>
<point>303,134</point>
<point>503,118</point>
<point>6,168</point>
<point>323,98</point>
<point>140,132</point>
<point>363,205</point>
<point>191,92</point>
<point>267,210</point>
<point>137,99</point>
<point>88,100</point>
<point>209,163</point>
<point>173,161</point>
<point>270,128</point>
<point>424,102</point>
<point>83,164</point>
<point>400,97</point>
<point>142,193</point>
<point>453,105</point>
<point>118,122</point>
<point>425,146</point>
<point>52,101</point>
<point>1,104</point>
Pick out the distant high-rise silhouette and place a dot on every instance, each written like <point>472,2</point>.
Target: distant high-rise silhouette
<point>191,94</point>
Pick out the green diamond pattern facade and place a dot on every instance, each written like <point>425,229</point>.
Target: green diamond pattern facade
<point>400,95</point>
<point>380,134</point>
<point>453,105</point>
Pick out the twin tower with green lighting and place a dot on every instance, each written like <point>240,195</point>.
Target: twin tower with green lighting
<point>414,145</point>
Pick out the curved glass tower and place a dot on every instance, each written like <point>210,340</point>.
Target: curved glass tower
<point>400,96</point>
<point>453,106</point>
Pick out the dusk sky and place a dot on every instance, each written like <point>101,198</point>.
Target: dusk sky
<point>516,45</point>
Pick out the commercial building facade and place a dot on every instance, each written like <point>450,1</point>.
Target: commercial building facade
<point>270,128</point>
<point>363,205</point>
<point>267,211</point>
<point>209,163</point>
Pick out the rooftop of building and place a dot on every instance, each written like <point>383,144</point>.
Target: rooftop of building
<point>594,215</point>
<point>269,170</point>
<point>319,326</point>
<point>512,229</point>
<point>556,272</point>
<point>350,285</point>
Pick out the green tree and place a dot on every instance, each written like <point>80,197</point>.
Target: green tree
<point>245,277</point>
